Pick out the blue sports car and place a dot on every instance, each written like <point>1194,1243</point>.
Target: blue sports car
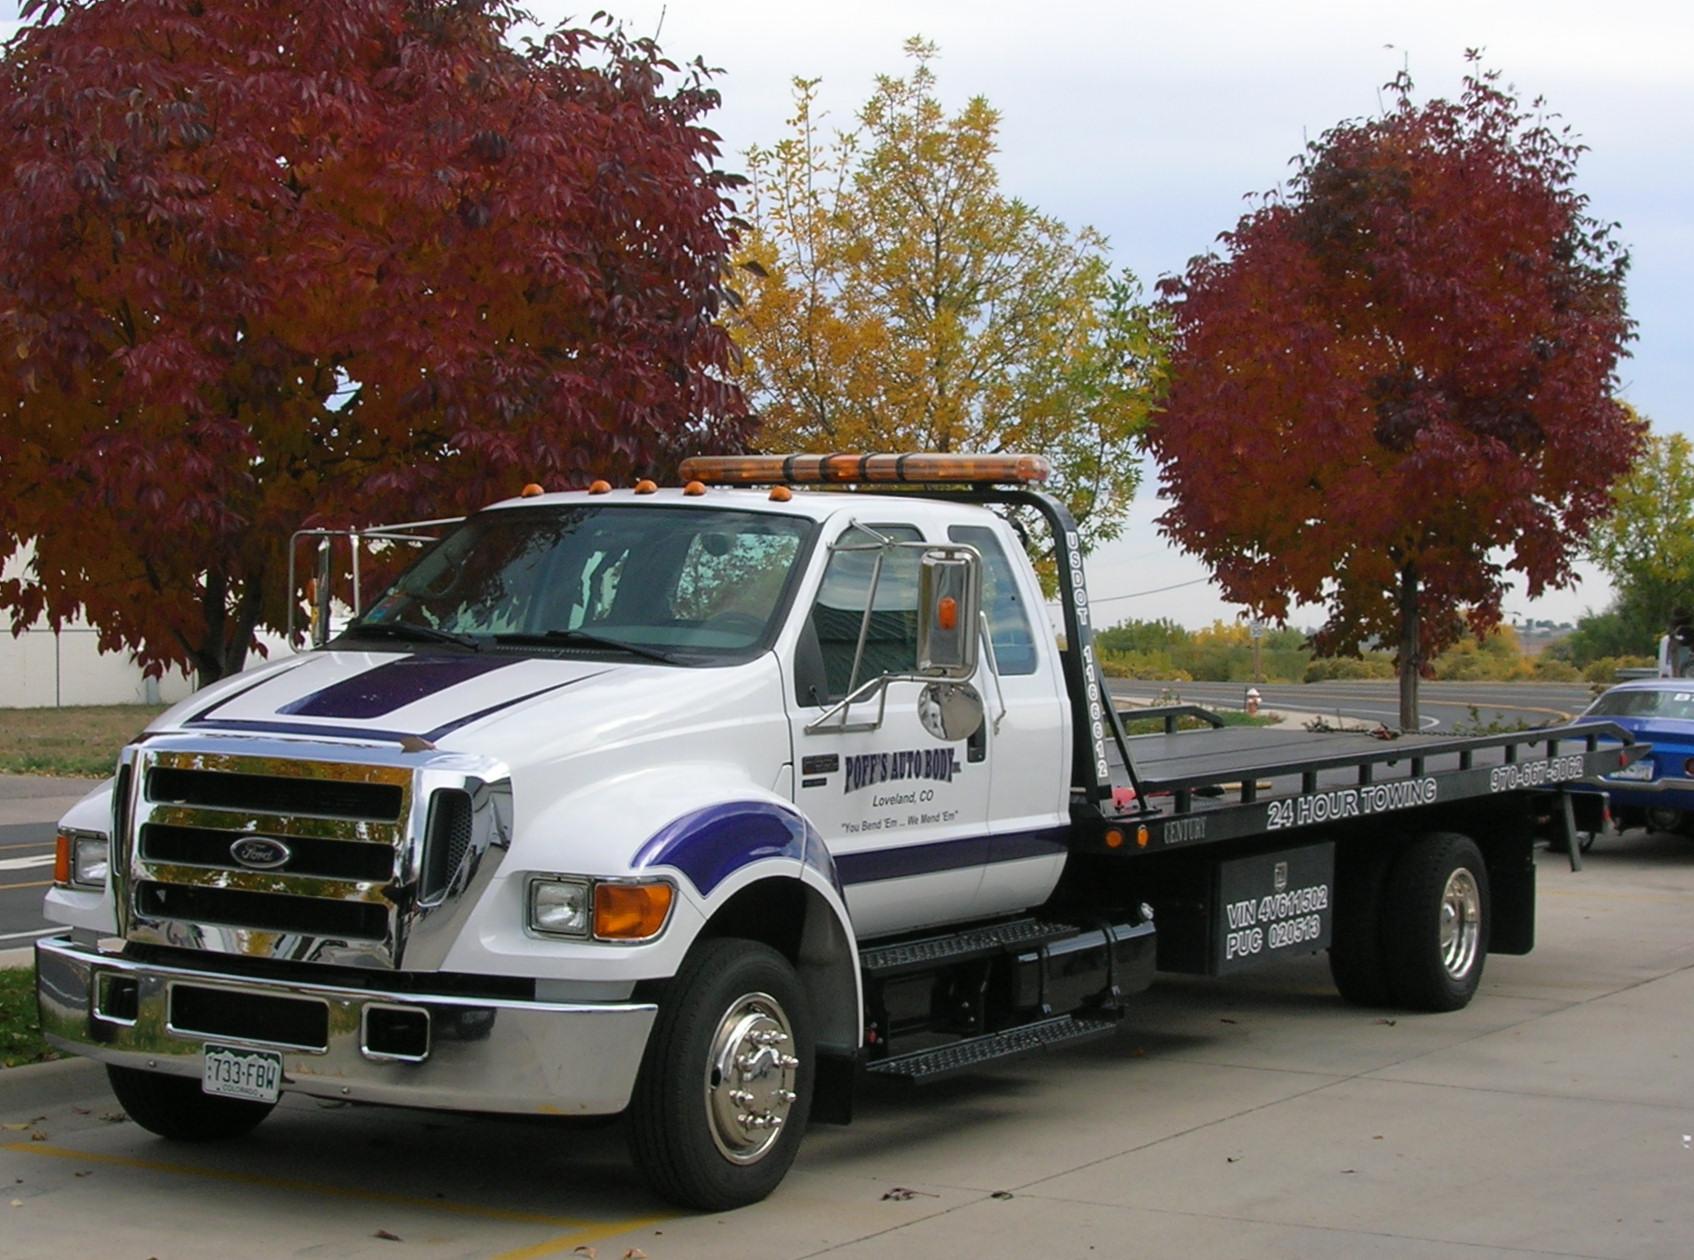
<point>1657,790</point>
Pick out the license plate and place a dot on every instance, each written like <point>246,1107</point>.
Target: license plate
<point>255,1075</point>
<point>1642,769</point>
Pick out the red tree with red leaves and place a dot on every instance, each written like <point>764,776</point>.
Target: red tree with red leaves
<point>266,264</point>
<point>1398,384</point>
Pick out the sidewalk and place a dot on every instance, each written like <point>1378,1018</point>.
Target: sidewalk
<point>29,798</point>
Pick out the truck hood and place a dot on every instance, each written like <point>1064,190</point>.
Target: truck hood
<point>521,709</point>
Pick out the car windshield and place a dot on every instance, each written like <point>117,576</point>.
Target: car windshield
<point>1645,703</point>
<point>676,583</point>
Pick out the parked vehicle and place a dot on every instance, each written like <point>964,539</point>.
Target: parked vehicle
<point>703,803</point>
<point>1655,791</point>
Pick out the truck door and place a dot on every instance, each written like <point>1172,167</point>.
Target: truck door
<point>904,813</point>
<point>1028,716</point>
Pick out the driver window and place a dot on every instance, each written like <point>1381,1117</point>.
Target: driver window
<point>831,637</point>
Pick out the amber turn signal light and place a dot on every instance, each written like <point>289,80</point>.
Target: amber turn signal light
<point>62,860</point>
<point>631,912</point>
<point>947,613</point>
<point>530,491</point>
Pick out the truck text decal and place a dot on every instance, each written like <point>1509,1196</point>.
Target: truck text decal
<point>1531,773</point>
<point>866,769</point>
<point>1354,802</point>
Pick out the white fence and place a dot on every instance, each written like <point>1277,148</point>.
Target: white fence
<point>42,668</point>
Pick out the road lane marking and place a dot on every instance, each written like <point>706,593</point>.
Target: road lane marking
<point>40,883</point>
<point>18,864</point>
<point>268,1182</point>
<point>29,844</point>
<point>570,1242</point>
<point>30,936</point>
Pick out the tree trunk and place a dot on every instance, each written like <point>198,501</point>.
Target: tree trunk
<point>223,649</point>
<point>1411,660</point>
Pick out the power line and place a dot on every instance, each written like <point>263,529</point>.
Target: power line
<point>1157,590</point>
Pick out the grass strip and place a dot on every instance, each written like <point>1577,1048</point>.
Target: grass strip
<point>79,741</point>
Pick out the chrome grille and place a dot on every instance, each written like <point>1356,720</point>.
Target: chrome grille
<point>340,892</point>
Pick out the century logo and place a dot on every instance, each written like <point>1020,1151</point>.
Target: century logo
<point>261,853</point>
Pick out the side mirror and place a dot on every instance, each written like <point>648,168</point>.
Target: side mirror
<point>949,603</point>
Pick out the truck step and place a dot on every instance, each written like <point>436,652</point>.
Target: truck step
<point>924,1066</point>
<point>882,961</point>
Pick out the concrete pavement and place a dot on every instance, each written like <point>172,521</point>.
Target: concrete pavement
<point>1245,1118</point>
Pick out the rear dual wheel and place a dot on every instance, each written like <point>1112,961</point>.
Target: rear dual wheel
<point>1415,934</point>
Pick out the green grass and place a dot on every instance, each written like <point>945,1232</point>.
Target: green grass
<point>74,741</point>
<point>20,1030</point>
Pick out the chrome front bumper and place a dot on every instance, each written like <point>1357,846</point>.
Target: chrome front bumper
<point>478,1054</point>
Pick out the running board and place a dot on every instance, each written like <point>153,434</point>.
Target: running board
<point>886,961</point>
<point>924,1066</point>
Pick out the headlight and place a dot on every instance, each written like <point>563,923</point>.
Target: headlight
<point>559,907</point>
<point>81,858</point>
<point>627,910</point>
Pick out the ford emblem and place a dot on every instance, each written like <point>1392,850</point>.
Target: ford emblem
<point>261,853</point>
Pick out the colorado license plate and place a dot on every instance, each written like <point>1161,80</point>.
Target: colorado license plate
<point>255,1075</point>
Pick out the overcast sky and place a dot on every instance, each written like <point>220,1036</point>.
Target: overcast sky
<point>1151,122</point>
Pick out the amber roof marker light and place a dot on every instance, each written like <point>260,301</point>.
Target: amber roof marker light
<point>766,470</point>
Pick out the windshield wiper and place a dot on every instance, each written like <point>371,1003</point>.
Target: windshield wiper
<point>413,631</point>
<point>589,638</point>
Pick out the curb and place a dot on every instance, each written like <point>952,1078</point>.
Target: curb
<point>38,1085</point>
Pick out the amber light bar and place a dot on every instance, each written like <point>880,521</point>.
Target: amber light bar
<point>766,470</point>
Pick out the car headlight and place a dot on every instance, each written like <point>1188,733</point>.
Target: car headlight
<point>82,859</point>
<point>559,907</point>
<point>627,910</point>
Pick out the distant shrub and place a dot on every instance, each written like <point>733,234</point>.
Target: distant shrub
<point>1332,668</point>
<point>1605,670</point>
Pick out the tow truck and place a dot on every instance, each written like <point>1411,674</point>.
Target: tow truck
<point>705,803</point>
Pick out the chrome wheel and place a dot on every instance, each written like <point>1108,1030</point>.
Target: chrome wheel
<point>1461,923</point>
<point>751,1077</point>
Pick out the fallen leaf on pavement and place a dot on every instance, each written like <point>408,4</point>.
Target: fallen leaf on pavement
<point>387,1237</point>
<point>900,1194</point>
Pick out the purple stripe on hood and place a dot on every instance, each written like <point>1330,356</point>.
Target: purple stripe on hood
<point>393,686</point>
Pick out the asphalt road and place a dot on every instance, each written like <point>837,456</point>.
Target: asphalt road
<point>26,870</point>
<point>1444,706</point>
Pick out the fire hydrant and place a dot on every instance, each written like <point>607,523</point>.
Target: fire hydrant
<point>1252,701</point>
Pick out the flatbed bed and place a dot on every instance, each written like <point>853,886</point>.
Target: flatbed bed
<point>1231,782</point>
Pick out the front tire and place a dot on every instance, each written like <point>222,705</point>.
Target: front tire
<point>176,1107</point>
<point>726,1083</point>
<point>1436,919</point>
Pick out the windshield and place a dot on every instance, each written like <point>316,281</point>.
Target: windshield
<point>668,582</point>
<point>1645,703</point>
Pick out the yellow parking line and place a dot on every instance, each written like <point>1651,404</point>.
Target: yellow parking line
<point>317,1187</point>
<point>553,1246</point>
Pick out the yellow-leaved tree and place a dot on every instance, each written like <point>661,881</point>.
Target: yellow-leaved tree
<point>895,299</point>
